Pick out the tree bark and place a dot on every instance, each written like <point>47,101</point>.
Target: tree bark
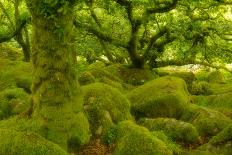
<point>55,87</point>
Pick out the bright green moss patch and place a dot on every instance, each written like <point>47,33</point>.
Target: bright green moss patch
<point>201,88</point>
<point>25,143</point>
<point>105,106</point>
<point>176,149</point>
<point>86,78</point>
<point>15,74</point>
<point>9,52</point>
<point>208,122</point>
<point>13,101</point>
<point>175,129</point>
<point>162,97</point>
<point>222,137</point>
<point>216,77</point>
<point>132,139</point>
<point>219,102</point>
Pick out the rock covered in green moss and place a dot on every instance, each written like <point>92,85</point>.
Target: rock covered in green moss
<point>15,74</point>
<point>9,52</point>
<point>26,143</point>
<point>176,149</point>
<point>162,97</point>
<point>86,78</point>
<point>132,139</point>
<point>132,76</point>
<point>221,143</point>
<point>208,122</point>
<point>13,101</point>
<point>175,129</point>
<point>216,77</point>
<point>223,137</point>
<point>105,106</point>
<point>201,88</point>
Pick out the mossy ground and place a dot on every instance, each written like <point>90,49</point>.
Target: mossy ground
<point>111,96</point>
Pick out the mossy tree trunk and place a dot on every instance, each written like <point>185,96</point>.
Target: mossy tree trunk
<point>55,86</point>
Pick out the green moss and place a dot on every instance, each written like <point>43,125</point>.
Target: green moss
<point>219,102</point>
<point>133,139</point>
<point>86,78</point>
<point>201,88</point>
<point>25,143</point>
<point>208,122</point>
<point>216,77</point>
<point>176,149</point>
<point>105,106</point>
<point>162,97</point>
<point>9,52</point>
<point>15,74</point>
<point>132,76</point>
<point>222,137</point>
<point>221,143</point>
<point>175,129</point>
<point>13,101</point>
<point>218,88</point>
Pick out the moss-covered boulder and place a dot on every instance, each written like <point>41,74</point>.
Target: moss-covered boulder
<point>162,97</point>
<point>208,122</point>
<point>175,129</point>
<point>10,52</point>
<point>222,137</point>
<point>219,102</point>
<point>13,101</point>
<point>132,139</point>
<point>15,74</point>
<point>25,143</point>
<point>61,130</point>
<point>105,106</point>
<point>221,143</point>
<point>201,88</point>
<point>133,76</point>
<point>216,77</point>
<point>86,78</point>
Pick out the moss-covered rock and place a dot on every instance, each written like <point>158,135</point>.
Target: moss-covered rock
<point>221,143</point>
<point>132,139</point>
<point>222,137</point>
<point>13,101</point>
<point>105,106</point>
<point>9,52</point>
<point>25,143</point>
<point>208,122</point>
<point>201,88</point>
<point>175,129</point>
<point>129,75</point>
<point>219,102</point>
<point>15,74</point>
<point>86,78</point>
<point>162,97</point>
<point>216,77</point>
<point>176,149</point>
